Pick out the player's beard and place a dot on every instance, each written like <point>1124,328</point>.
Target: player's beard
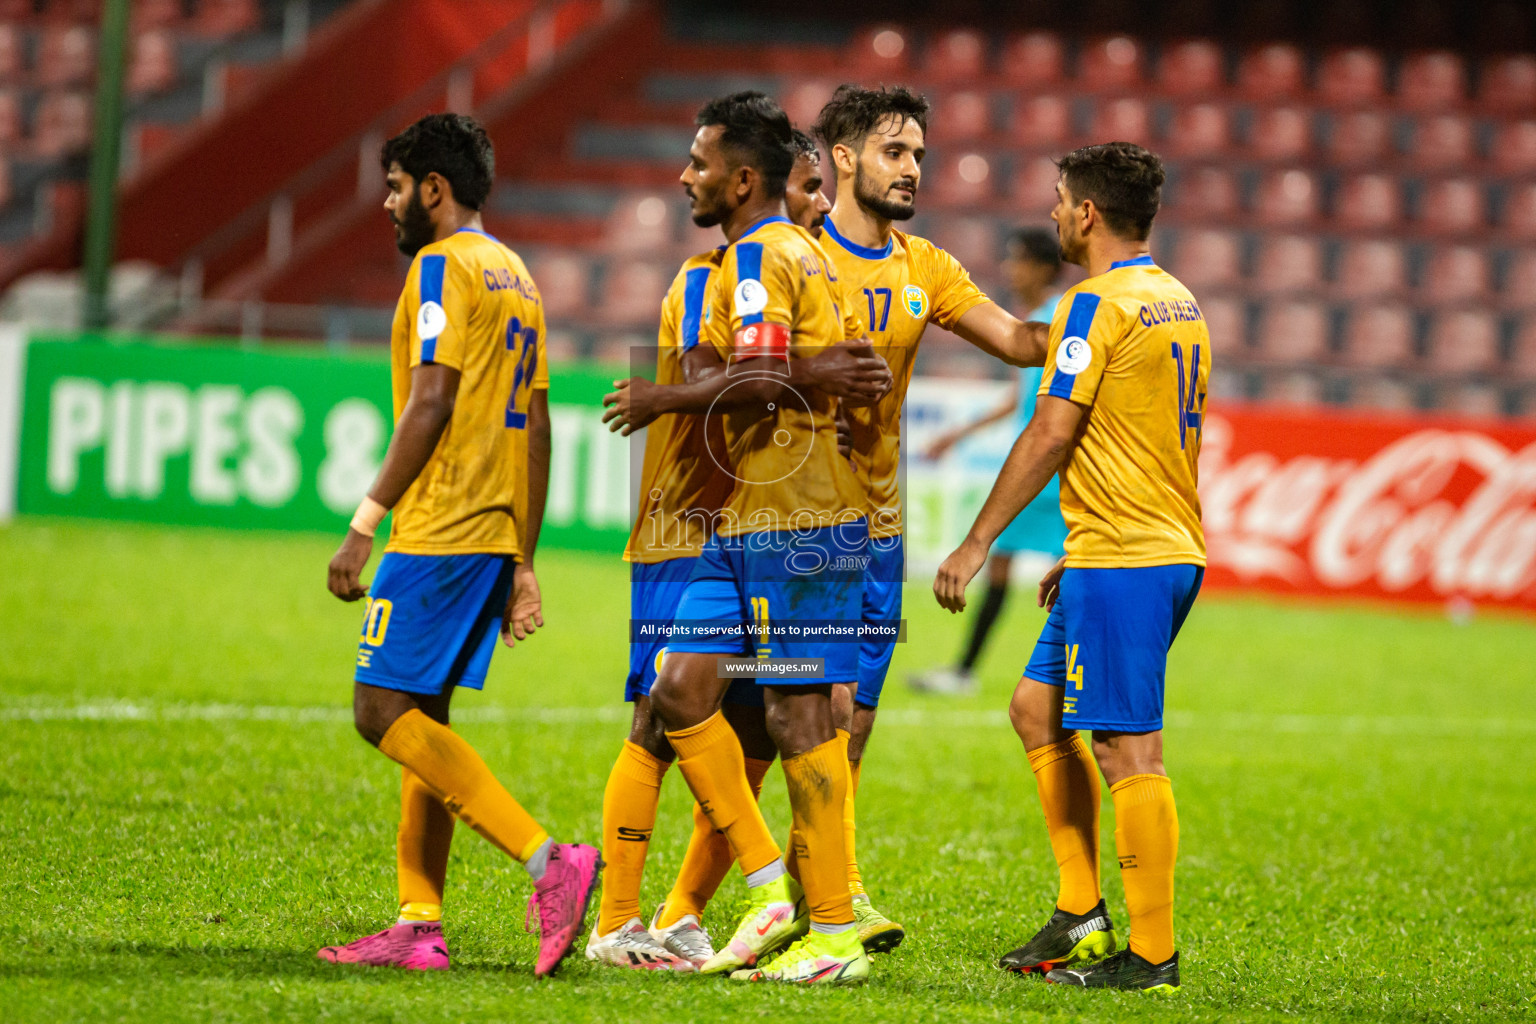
<point>878,201</point>
<point>413,228</point>
<point>707,210</point>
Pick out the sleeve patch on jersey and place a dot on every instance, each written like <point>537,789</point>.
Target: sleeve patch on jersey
<point>693,306</point>
<point>750,296</point>
<point>430,321</point>
<point>1073,356</point>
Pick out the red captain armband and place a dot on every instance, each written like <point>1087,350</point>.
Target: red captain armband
<point>756,340</point>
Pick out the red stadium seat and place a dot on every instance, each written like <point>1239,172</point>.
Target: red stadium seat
<point>1034,185</point>
<point>1193,68</point>
<point>153,65</point>
<point>1474,401</point>
<point>1377,336</point>
<point>66,55</point>
<point>1452,206</point>
<point>1443,142</point>
<point>633,290</point>
<point>1514,148</point>
<point>1457,273</point>
<point>1297,388</point>
<point>1359,137</point>
<point>1227,322</point>
<point>805,99</point>
<point>147,14</point>
<point>1523,359</point>
<point>1206,258</point>
<point>959,55</point>
<point>1351,77</point>
<point>963,115</point>
<point>1518,218</point>
<point>1294,332</point>
<point>1121,120</point>
<point>1384,393</point>
<point>639,223</point>
<point>1508,84</point>
<point>1434,80</point>
<point>562,279</point>
<point>1274,72</point>
<point>1520,279</point>
<point>1042,122</point>
<point>1368,202</point>
<point>1207,192</point>
<point>1288,263</point>
<point>1371,268</point>
<point>881,50</point>
<point>12,53</point>
<point>227,17</point>
<point>1280,133</point>
<point>1464,341</point>
<point>1111,64</point>
<point>1034,59</point>
<point>1287,196</point>
<point>964,180</point>
<point>971,240</point>
<point>11,127</point>
<point>1198,130</point>
<point>14,12</point>
<point>63,124</point>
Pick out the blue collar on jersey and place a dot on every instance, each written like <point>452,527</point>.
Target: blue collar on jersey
<point>776,218</point>
<point>858,250</point>
<point>477,231</point>
<point>1144,260</point>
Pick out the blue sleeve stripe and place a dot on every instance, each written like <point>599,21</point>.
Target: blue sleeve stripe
<point>693,306</point>
<point>749,265</point>
<point>432,269</point>
<point>1079,323</point>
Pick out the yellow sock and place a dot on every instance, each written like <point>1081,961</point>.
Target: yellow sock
<point>453,771</point>
<point>709,756</point>
<point>707,860</point>
<point>1147,840</point>
<point>855,880</point>
<point>818,789</point>
<point>1068,782</point>
<point>421,850</point>
<point>629,815</point>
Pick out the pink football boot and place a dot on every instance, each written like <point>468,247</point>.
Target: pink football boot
<point>561,897</point>
<point>414,945</point>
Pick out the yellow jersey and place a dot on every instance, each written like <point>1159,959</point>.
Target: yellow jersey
<point>469,303</point>
<point>682,483</point>
<point>1131,345</point>
<point>786,469</point>
<point>899,290</point>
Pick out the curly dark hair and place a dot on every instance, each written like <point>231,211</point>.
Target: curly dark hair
<point>453,145</point>
<point>854,113</point>
<point>1124,181</point>
<point>757,135</point>
<point>806,146</point>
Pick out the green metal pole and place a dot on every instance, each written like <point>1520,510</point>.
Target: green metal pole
<point>106,152</point>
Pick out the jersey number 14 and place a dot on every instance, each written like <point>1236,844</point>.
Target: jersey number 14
<point>1191,402</point>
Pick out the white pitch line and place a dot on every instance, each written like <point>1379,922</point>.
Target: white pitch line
<point>613,714</point>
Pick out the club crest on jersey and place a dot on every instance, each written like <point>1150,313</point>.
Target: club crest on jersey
<point>659,656</point>
<point>1074,356</point>
<point>430,320</point>
<point>916,301</point>
<point>751,297</point>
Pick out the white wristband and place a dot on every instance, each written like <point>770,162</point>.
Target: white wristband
<point>368,516</point>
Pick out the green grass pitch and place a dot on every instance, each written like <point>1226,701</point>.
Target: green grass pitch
<point>186,814</point>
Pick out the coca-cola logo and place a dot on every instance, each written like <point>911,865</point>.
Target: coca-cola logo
<point>1433,513</point>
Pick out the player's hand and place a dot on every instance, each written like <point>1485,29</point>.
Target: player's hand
<point>343,577</point>
<point>957,571</point>
<point>525,607</point>
<point>632,406</point>
<point>854,372</point>
<point>844,433</point>
<point>1050,585</point>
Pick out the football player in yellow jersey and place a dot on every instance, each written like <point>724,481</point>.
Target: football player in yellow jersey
<point>1119,416</point>
<point>898,284</point>
<point>682,489</point>
<point>465,474</point>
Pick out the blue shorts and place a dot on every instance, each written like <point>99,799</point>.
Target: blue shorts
<point>432,621</point>
<point>882,608</point>
<point>1038,527</point>
<point>654,592</point>
<point>779,594</point>
<point>1107,639</point>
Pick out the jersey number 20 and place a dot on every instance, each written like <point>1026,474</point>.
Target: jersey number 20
<point>522,380</point>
